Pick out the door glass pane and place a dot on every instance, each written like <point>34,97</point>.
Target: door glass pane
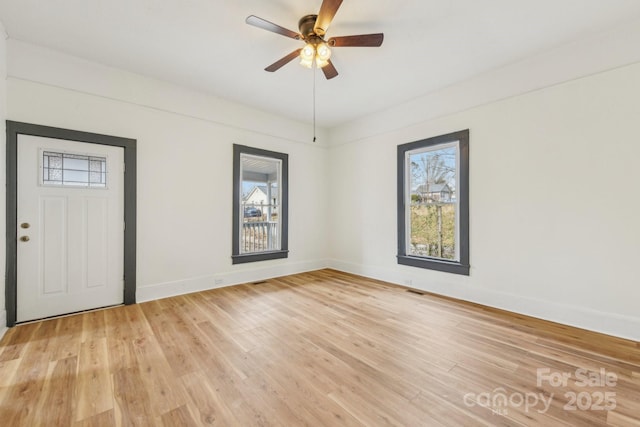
<point>73,170</point>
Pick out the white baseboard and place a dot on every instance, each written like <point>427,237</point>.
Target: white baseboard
<point>3,323</point>
<point>195,284</point>
<point>627,327</point>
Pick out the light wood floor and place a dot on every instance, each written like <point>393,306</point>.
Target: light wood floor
<point>318,349</point>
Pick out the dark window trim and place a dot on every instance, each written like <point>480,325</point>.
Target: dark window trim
<point>236,257</point>
<point>463,266</point>
<point>17,128</point>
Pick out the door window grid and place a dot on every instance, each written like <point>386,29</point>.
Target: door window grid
<point>73,170</point>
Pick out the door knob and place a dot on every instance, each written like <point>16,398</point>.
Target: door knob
<point>24,239</point>
<point>25,225</point>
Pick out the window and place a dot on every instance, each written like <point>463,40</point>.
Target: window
<point>433,203</point>
<point>260,203</point>
<point>73,170</point>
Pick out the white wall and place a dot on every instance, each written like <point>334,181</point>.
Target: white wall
<point>543,240</point>
<point>584,57</point>
<point>3,150</point>
<point>184,142</point>
<point>554,203</point>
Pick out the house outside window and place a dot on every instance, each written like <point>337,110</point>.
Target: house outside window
<point>260,201</point>
<point>433,203</point>
<point>434,192</point>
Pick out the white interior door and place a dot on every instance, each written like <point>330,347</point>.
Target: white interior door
<point>70,211</point>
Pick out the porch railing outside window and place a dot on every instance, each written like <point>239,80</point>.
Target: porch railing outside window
<point>259,228</point>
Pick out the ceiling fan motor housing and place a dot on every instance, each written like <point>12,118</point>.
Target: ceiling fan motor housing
<point>306,25</point>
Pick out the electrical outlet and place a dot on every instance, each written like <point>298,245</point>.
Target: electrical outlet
<point>408,282</point>
<point>218,281</point>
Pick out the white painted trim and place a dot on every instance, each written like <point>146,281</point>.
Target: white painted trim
<point>195,284</point>
<point>585,318</point>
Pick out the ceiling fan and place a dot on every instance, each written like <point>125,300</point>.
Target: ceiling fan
<point>312,31</point>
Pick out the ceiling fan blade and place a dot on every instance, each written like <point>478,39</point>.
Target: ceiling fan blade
<point>283,61</point>
<point>361,40</point>
<point>270,26</point>
<point>329,71</point>
<point>325,16</point>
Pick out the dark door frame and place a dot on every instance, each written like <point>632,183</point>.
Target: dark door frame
<point>17,128</point>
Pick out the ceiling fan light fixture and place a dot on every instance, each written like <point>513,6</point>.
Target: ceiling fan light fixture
<point>320,63</point>
<point>307,55</point>
<point>306,62</point>
<point>308,52</point>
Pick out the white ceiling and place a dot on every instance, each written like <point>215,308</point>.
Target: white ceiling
<point>206,45</point>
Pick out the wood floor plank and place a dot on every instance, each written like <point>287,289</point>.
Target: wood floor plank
<point>316,348</point>
<point>16,339</point>
<point>178,417</point>
<point>163,387</point>
<point>8,370</point>
<point>132,398</point>
<point>93,379</point>
<point>614,418</point>
<point>226,354</point>
<point>57,401</point>
<point>287,370</point>
<point>181,346</point>
<point>212,407</point>
<point>68,336</point>
<point>24,396</point>
<point>237,394</point>
<point>93,326</point>
<point>104,419</point>
<point>120,339</point>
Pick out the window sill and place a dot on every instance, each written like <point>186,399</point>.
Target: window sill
<point>433,264</point>
<point>255,257</point>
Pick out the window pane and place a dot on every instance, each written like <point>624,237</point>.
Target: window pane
<point>260,205</point>
<point>433,203</point>
<point>73,162</point>
<point>260,231</point>
<point>73,170</point>
<point>74,177</point>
